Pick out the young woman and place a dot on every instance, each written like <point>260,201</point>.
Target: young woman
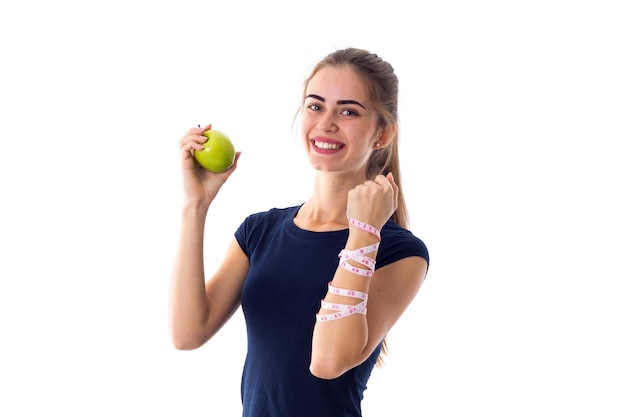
<point>320,283</point>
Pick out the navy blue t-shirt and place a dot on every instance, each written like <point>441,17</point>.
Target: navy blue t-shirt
<point>289,273</point>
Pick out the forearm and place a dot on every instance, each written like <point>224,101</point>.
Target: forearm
<point>339,344</point>
<point>188,301</point>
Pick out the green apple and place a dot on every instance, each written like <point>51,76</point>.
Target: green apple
<point>218,153</point>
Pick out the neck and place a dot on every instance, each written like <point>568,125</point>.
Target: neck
<point>326,208</point>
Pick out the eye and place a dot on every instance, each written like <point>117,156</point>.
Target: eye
<point>313,107</point>
<point>349,112</point>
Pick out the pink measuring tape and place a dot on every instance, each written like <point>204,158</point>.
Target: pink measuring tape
<point>343,310</point>
<point>364,226</point>
<point>357,255</point>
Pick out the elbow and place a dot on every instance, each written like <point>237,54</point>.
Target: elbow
<point>324,372</point>
<point>327,368</point>
<point>331,362</point>
<point>185,342</point>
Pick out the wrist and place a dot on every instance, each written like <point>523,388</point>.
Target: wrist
<point>358,238</point>
<point>366,227</point>
<point>361,234</point>
<point>196,207</point>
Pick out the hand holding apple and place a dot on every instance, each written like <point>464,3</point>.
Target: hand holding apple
<point>218,153</point>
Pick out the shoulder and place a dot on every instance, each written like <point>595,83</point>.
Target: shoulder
<point>397,243</point>
<point>257,225</point>
<point>271,216</point>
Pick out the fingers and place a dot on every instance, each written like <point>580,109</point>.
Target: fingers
<point>193,139</point>
<point>384,183</point>
<point>390,178</point>
<point>197,133</point>
<point>374,200</point>
<point>396,189</point>
<point>234,165</point>
<point>379,189</point>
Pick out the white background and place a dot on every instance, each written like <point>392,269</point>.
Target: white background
<point>512,141</point>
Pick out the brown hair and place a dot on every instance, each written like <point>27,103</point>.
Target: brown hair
<point>381,84</point>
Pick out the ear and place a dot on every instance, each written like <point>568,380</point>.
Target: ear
<point>385,137</point>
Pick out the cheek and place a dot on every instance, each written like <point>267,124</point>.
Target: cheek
<point>303,131</point>
<point>306,124</point>
<point>305,119</point>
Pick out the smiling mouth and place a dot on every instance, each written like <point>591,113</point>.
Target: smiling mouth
<point>327,145</point>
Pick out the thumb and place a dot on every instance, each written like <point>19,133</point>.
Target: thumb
<point>396,189</point>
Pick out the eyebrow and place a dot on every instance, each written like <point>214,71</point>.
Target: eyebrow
<point>340,102</point>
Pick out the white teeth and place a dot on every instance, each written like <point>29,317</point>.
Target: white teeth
<point>326,145</point>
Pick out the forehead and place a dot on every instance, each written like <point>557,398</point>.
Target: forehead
<point>337,83</point>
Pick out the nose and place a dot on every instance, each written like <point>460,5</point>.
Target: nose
<point>326,123</point>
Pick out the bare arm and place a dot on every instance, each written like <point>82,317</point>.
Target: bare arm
<point>339,345</point>
<point>199,310</point>
<point>199,307</point>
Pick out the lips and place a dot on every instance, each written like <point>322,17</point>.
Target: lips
<point>326,145</point>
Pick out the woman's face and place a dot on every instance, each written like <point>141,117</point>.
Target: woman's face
<point>339,124</point>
